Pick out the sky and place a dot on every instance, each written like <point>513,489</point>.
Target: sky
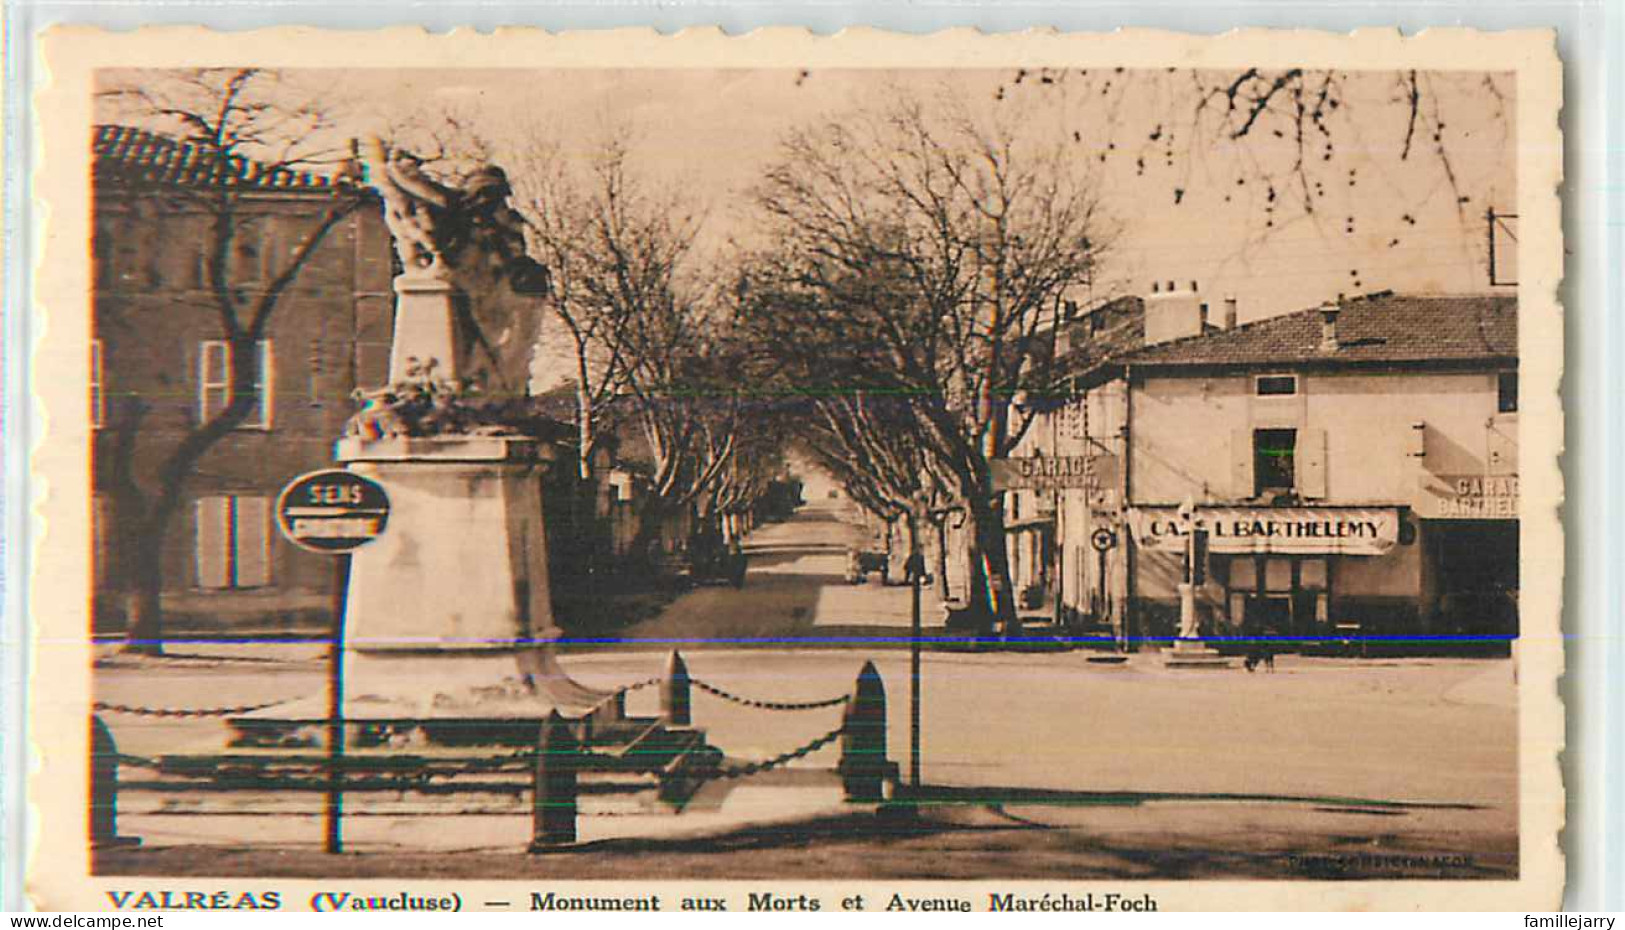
<point>1187,202</point>
<point>1381,222</point>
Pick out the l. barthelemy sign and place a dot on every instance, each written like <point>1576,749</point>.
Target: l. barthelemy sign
<point>1284,530</point>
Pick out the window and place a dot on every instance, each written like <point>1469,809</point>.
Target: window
<point>233,541</point>
<point>1276,385</point>
<point>1273,465</point>
<point>1506,392</point>
<point>98,401</point>
<point>214,383</point>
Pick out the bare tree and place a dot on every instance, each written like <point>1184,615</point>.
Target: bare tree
<point>614,251</point>
<point>245,125</point>
<point>648,332</point>
<point>927,258</point>
<point>686,384</point>
<point>1293,146</point>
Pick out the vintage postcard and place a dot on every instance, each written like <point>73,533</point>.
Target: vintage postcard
<point>614,471</point>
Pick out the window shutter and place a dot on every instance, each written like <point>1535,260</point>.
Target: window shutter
<point>101,534</point>
<point>1241,463</point>
<point>213,378</point>
<point>253,551</point>
<point>1311,463</point>
<point>98,401</point>
<point>264,387</point>
<point>213,542</point>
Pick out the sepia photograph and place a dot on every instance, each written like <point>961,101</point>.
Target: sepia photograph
<point>812,472</point>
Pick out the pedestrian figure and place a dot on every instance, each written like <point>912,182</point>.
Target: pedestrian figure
<point>914,569</point>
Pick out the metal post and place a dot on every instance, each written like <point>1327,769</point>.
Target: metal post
<point>864,765</point>
<point>334,812</point>
<point>104,789</point>
<point>674,692</point>
<point>1059,541</point>
<point>916,635</point>
<point>553,786</point>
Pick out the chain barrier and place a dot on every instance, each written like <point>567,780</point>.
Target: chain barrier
<point>139,762</point>
<point>174,712</point>
<point>756,768</point>
<point>768,705</point>
<point>521,759</point>
<point>635,686</point>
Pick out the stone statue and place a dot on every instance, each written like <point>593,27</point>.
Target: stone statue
<point>437,227</point>
<point>471,238</point>
<point>415,208</point>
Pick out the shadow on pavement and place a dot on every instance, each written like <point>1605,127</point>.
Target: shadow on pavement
<point>940,795</point>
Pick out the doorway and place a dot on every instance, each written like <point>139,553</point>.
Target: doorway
<point>1476,567</point>
<point>1269,615</point>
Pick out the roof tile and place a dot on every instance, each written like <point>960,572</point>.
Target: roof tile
<point>130,154</point>
<point>1382,327</point>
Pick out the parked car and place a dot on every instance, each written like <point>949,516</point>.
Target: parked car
<point>861,563</point>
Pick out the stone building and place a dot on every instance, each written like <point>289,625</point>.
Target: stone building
<point>1352,467</point>
<point>160,367</point>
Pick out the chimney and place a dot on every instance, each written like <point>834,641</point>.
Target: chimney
<point>1328,327</point>
<point>1230,311</point>
<point>1173,313</point>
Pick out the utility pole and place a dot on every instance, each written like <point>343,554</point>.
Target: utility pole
<point>916,560</point>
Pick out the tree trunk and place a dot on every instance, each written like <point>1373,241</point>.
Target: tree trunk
<point>584,432</point>
<point>990,566</point>
<point>651,527</point>
<point>143,604</point>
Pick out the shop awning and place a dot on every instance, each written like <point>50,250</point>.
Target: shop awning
<point>1281,530</point>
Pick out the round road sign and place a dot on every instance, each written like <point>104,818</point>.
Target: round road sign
<point>1102,539</point>
<point>332,511</point>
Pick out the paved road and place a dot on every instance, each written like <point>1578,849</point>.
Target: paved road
<point>1323,755</point>
<point>795,592</point>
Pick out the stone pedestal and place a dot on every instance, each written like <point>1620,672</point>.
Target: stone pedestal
<point>449,614</point>
<point>450,611</point>
<point>1193,653</point>
<point>1189,651</point>
<point>425,328</point>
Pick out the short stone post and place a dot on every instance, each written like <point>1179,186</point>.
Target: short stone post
<point>674,696</point>
<point>864,765</point>
<point>554,798</point>
<point>104,789</point>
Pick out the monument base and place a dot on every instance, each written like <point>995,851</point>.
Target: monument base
<point>1193,653</point>
<point>448,634</point>
<point>415,700</point>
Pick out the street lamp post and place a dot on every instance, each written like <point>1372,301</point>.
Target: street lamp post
<point>916,634</point>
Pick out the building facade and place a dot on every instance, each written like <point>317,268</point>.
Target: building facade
<point>161,367</point>
<point>1351,469</point>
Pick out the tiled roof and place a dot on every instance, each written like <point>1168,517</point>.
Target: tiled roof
<point>1377,328</point>
<point>128,154</point>
<point>1107,332</point>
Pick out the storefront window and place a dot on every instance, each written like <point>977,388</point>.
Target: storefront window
<point>1243,574</point>
<point>1312,574</point>
<point>1278,576</point>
